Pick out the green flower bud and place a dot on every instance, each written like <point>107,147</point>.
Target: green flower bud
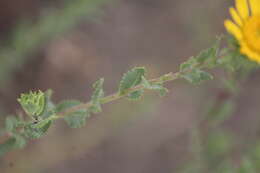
<point>33,103</point>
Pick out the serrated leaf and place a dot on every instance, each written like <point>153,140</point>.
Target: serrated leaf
<point>205,76</point>
<point>234,61</point>
<point>11,122</point>
<point>209,55</point>
<point>14,142</point>
<point>75,119</point>
<point>96,96</point>
<point>146,83</point>
<point>20,142</point>
<point>131,79</point>
<point>196,76</point>
<point>33,132</point>
<point>158,87</point>
<point>136,95</point>
<point>189,64</point>
<point>66,104</point>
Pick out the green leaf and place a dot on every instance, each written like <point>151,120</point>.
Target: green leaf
<point>49,108</point>
<point>163,91</point>
<point>96,96</point>
<point>206,57</point>
<point>136,95</point>
<point>20,142</point>
<point>77,119</point>
<point>209,56</point>
<point>11,122</point>
<point>196,76</point>
<point>74,119</point>
<point>158,87</point>
<point>33,131</point>
<point>234,61</point>
<point>14,142</point>
<point>146,83</point>
<point>167,77</point>
<point>131,79</point>
<point>189,64</point>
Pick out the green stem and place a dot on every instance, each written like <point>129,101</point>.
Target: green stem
<point>107,99</point>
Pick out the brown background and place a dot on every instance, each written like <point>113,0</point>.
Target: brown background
<point>128,137</point>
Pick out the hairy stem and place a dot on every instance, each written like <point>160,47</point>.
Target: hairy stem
<point>164,78</point>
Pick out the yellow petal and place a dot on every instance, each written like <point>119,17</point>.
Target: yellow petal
<point>235,16</point>
<point>242,8</point>
<point>251,54</point>
<point>233,29</point>
<point>255,6</point>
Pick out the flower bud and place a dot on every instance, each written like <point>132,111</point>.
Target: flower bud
<point>33,103</point>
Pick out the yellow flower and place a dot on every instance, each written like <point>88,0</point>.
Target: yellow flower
<point>246,27</point>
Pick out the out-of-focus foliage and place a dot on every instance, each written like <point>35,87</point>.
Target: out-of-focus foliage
<point>28,36</point>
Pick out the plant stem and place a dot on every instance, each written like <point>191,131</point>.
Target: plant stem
<point>160,80</point>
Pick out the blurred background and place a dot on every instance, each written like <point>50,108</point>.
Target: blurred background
<point>67,45</point>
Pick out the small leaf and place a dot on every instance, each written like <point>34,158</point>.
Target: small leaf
<point>96,96</point>
<point>14,142</point>
<point>163,91</point>
<point>234,61</point>
<point>196,76</point>
<point>49,108</point>
<point>136,95</point>
<point>189,64</point>
<point>75,119</point>
<point>205,76</point>
<point>11,122</point>
<point>209,56</point>
<point>33,132</point>
<point>131,79</point>
<point>146,83</point>
<point>40,123</point>
<point>167,77</point>
<point>158,87</point>
<point>64,105</point>
<point>20,142</point>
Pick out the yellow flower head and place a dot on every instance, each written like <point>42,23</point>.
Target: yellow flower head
<point>246,27</point>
